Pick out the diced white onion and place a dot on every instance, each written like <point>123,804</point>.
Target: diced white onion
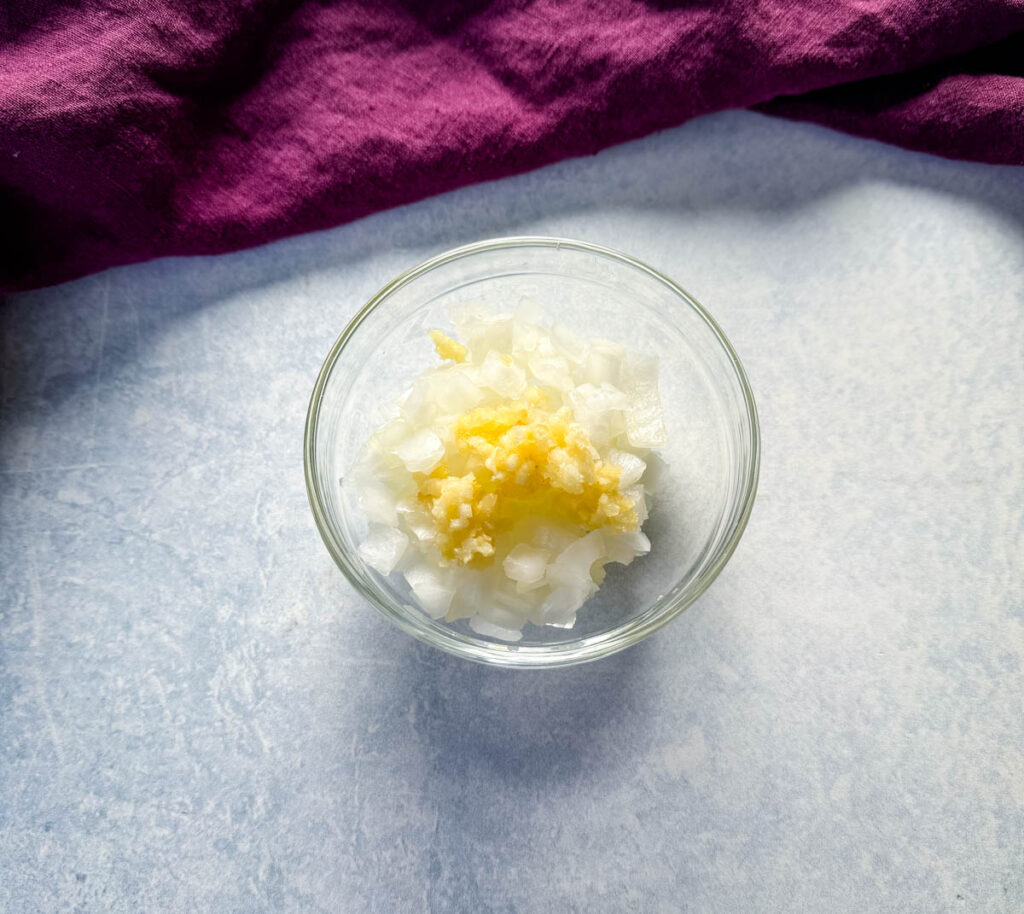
<point>543,571</point>
<point>432,588</point>
<point>506,380</point>
<point>632,467</point>
<point>383,549</point>
<point>573,565</point>
<point>645,425</point>
<point>455,391</point>
<point>624,547</point>
<point>526,564</point>
<point>572,347</point>
<point>599,410</point>
<point>420,452</point>
<point>482,627</point>
<point>377,501</point>
<point>603,363</point>
<point>562,604</point>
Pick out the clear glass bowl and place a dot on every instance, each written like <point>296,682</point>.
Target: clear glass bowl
<point>711,460</point>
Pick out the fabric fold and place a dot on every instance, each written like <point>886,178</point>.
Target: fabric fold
<point>132,130</point>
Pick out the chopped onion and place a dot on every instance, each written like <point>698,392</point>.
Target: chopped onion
<point>525,336</point>
<point>455,391</point>
<point>638,494</point>
<point>482,336</point>
<point>573,565</point>
<point>551,369</point>
<point>526,565</point>
<point>542,570</point>
<point>599,410</point>
<point>561,606</point>
<point>383,549</point>
<point>571,346</point>
<point>645,426</point>
<point>482,627</point>
<point>603,363</point>
<point>624,547</point>
<point>632,467</point>
<point>432,588</point>
<point>421,452</point>
<point>377,501</point>
<point>505,378</point>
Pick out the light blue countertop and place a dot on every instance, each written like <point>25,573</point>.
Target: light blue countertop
<point>198,714</point>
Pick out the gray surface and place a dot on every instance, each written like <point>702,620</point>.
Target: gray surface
<point>198,714</point>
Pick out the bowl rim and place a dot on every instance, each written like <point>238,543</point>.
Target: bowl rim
<point>512,655</point>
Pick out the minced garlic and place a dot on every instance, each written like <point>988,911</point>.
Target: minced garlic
<point>510,463</point>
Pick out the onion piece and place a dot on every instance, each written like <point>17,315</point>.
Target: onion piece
<point>505,378</point>
<point>631,467</point>
<point>525,564</point>
<point>377,501</point>
<point>645,424</point>
<point>384,548</point>
<point>573,565</point>
<point>488,629</point>
<point>624,547</point>
<point>598,410</point>
<point>569,344</point>
<point>563,603</point>
<point>455,390</point>
<point>432,588</point>
<point>603,363</point>
<point>420,452</point>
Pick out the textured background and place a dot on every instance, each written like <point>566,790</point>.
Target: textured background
<point>196,713</point>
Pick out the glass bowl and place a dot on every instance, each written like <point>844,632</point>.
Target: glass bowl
<point>708,480</point>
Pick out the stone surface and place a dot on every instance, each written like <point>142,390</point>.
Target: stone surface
<point>198,713</point>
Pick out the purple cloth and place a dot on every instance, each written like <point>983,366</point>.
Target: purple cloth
<point>136,128</point>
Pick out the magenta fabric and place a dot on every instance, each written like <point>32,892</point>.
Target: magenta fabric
<point>136,128</point>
